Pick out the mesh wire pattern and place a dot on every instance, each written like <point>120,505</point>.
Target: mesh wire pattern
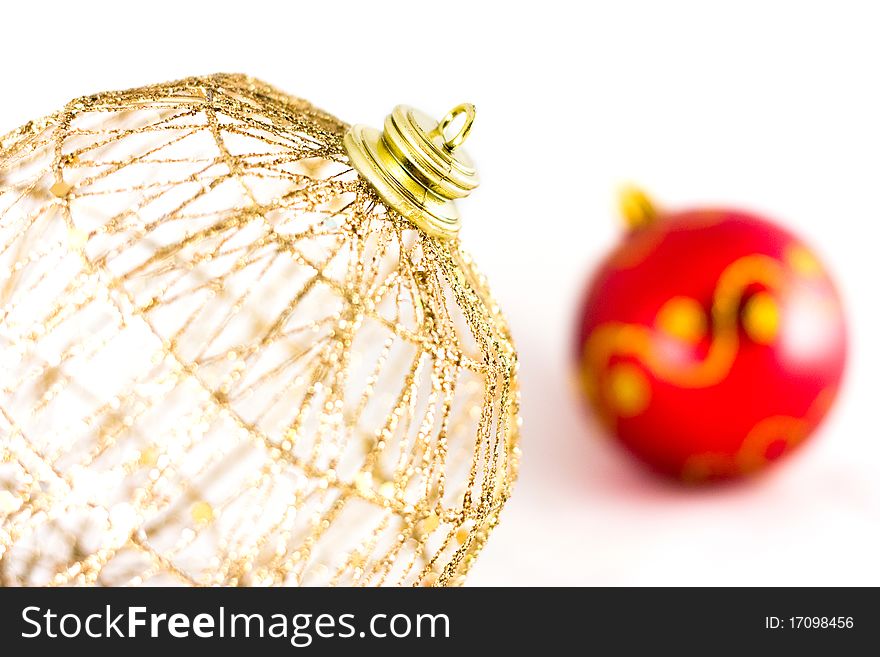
<point>224,362</point>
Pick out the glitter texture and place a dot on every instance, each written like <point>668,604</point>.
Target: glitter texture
<point>224,361</point>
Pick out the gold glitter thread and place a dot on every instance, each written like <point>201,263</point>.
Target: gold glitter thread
<point>224,361</point>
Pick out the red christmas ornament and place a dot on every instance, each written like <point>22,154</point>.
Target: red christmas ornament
<point>711,342</point>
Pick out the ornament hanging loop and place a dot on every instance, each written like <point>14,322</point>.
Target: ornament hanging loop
<point>416,168</point>
<point>469,112</point>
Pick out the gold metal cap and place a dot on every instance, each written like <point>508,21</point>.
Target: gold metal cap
<point>417,166</point>
<point>636,207</point>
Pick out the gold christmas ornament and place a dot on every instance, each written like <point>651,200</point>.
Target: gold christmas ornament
<point>240,344</point>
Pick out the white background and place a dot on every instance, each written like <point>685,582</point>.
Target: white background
<point>768,105</point>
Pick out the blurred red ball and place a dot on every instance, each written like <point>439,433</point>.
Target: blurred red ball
<point>710,342</point>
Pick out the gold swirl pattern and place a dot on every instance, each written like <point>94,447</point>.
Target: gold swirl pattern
<point>621,339</point>
<point>624,388</point>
